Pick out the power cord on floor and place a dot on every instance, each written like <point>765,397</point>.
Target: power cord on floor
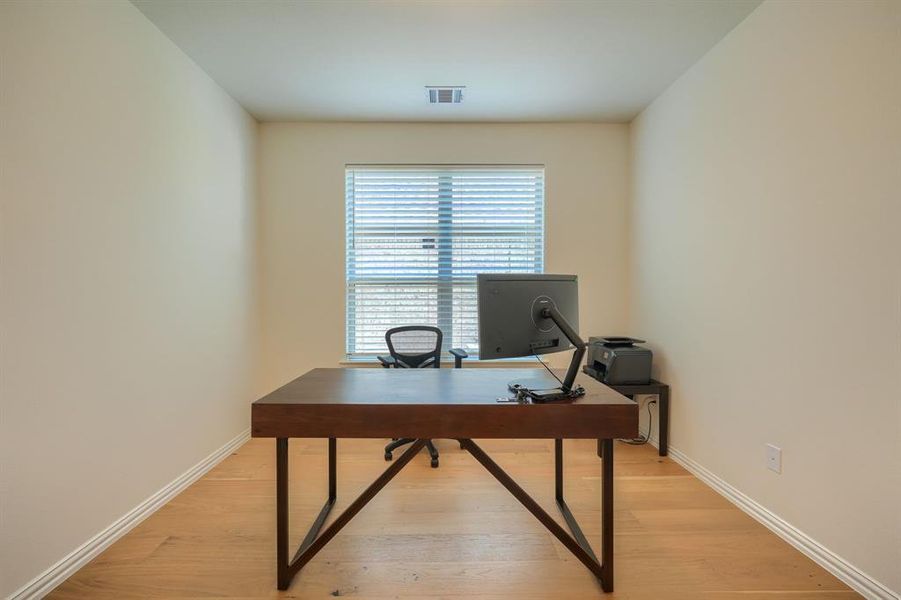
<point>642,440</point>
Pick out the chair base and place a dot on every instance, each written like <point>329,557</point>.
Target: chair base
<point>397,443</point>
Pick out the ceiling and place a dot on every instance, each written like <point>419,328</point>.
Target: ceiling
<point>520,61</point>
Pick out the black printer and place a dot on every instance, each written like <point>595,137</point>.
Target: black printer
<point>617,360</point>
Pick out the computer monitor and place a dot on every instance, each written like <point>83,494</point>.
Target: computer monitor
<point>526,315</point>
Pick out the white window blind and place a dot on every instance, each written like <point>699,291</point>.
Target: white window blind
<point>417,237</point>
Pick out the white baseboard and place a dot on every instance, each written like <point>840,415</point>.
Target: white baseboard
<point>44,583</point>
<point>832,562</point>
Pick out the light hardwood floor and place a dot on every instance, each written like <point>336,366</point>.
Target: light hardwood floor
<point>451,532</point>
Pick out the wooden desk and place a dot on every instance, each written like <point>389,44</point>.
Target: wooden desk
<point>438,403</point>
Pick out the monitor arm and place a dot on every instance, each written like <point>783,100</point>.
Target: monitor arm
<point>551,312</point>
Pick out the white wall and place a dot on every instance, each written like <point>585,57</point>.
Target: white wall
<point>766,262</point>
<point>128,237</point>
<point>301,170</point>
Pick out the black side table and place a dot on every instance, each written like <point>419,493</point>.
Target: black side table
<point>652,388</point>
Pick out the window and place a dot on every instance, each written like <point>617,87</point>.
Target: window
<point>417,237</point>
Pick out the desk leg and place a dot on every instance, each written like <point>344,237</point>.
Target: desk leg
<point>314,540</point>
<point>607,515</point>
<point>575,543</point>
<point>285,572</point>
<point>281,509</point>
<point>558,470</point>
<point>332,469</point>
<point>663,410</point>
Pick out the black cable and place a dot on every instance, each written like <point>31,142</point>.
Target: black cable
<point>548,369</point>
<point>641,441</point>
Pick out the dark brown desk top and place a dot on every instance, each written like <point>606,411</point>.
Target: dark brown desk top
<point>435,403</point>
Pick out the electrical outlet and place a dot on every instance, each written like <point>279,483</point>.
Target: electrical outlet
<point>774,458</point>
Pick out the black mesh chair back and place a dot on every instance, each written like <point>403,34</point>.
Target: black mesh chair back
<point>415,346</point>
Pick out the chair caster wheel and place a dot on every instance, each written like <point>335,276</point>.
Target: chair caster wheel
<point>434,463</point>
<point>388,456</point>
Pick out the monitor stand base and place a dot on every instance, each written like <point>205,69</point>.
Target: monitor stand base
<point>537,391</point>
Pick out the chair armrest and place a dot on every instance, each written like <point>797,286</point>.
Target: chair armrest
<point>459,354</point>
<point>387,361</point>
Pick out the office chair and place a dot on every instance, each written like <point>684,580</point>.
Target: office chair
<point>416,347</point>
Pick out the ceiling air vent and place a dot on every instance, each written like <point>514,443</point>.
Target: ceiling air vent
<point>445,94</point>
